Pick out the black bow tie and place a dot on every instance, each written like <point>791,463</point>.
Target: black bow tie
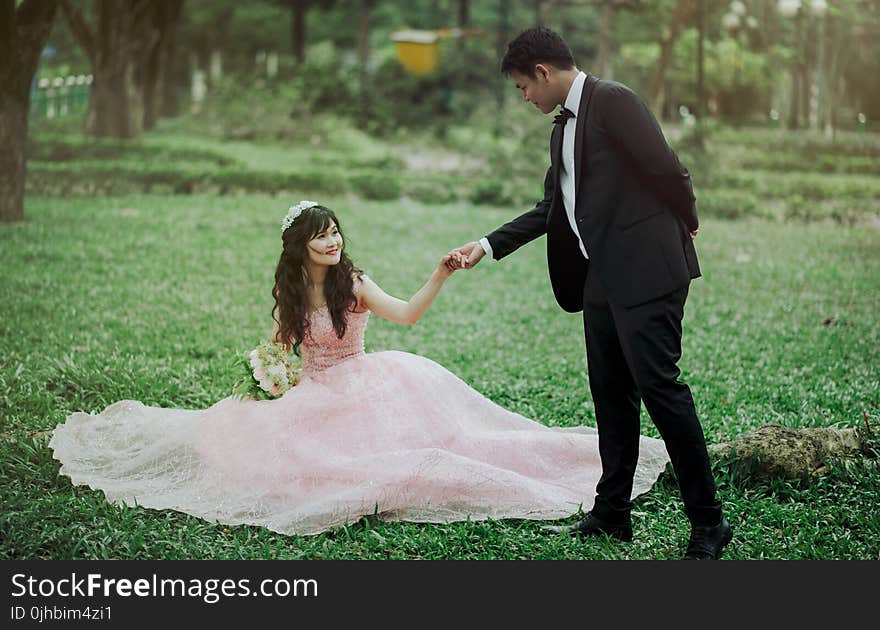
<point>563,116</point>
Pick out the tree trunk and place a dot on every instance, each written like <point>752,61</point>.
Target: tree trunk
<point>794,99</point>
<point>23,33</point>
<point>464,13</point>
<point>168,106</point>
<point>542,12</point>
<point>298,9</point>
<point>831,71</point>
<point>840,46</point>
<point>805,85</point>
<point>794,105</point>
<point>13,138</point>
<point>701,68</point>
<point>606,29</point>
<point>115,103</point>
<point>683,13</point>
<point>153,80</point>
<point>363,30</point>
<point>124,35</point>
<point>158,61</point>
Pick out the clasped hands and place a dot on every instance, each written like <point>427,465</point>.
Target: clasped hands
<point>464,257</point>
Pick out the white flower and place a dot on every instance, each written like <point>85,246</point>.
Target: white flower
<point>277,371</point>
<point>294,211</point>
<point>272,370</point>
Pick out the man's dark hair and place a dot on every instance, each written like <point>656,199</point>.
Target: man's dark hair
<point>534,46</point>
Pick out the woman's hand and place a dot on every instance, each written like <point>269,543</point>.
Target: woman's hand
<point>449,263</point>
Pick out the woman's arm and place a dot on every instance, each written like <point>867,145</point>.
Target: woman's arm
<point>396,310</point>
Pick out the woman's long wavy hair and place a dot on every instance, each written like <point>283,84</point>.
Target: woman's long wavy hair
<point>292,281</point>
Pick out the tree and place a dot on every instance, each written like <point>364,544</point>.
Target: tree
<point>851,26</point>
<point>155,74</point>
<point>542,12</point>
<point>464,13</point>
<point>23,33</point>
<point>682,15</point>
<point>123,36</point>
<point>798,72</point>
<point>298,10</point>
<point>363,31</point>
<point>609,8</point>
<point>606,37</point>
<point>131,49</point>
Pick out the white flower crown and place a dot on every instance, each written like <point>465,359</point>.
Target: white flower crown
<point>294,211</point>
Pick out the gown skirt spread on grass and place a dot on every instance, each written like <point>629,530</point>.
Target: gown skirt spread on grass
<point>386,433</point>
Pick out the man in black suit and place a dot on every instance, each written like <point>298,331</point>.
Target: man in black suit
<point>620,218</point>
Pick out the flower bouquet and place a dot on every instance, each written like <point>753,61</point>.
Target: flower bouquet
<point>267,373</point>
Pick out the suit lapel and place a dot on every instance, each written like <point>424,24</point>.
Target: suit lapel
<point>579,133</point>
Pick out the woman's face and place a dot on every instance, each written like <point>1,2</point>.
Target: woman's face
<point>325,248</point>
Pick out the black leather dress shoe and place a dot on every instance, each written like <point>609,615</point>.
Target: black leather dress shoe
<point>706,543</point>
<point>593,526</point>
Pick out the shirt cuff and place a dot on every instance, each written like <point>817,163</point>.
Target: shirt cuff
<point>484,243</point>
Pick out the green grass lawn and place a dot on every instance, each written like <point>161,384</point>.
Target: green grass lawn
<point>151,297</point>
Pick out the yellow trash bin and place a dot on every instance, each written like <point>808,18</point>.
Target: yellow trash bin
<point>417,51</point>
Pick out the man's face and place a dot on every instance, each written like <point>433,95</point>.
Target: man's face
<point>537,91</point>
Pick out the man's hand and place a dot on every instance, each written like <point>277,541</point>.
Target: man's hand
<point>450,263</point>
<point>469,255</point>
<point>694,233</point>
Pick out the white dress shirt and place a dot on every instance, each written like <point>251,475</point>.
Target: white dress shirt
<point>566,172</point>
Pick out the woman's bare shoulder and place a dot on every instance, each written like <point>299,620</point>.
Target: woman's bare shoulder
<point>360,281</point>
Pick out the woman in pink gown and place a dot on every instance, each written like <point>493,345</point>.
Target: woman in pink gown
<point>390,434</point>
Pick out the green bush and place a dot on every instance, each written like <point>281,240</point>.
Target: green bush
<point>50,148</point>
<point>790,161</point>
<point>380,186</point>
<point>771,184</point>
<point>808,144</point>
<point>841,211</point>
<point>390,98</point>
<point>740,79</point>
<point>326,81</point>
<point>94,178</point>
<point>361,162</point>
<point>492,192</point>
<point>729,204</point>
<point>433,191</point>
<point>252,108</point>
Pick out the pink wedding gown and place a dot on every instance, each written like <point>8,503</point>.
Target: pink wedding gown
<point>386,433</point>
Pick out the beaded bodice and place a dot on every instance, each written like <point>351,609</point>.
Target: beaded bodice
<point>322,349</point>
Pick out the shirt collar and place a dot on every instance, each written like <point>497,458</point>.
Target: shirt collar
<point>573,100</point>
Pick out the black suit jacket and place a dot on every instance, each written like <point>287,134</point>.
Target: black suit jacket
<point>634,206</point>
